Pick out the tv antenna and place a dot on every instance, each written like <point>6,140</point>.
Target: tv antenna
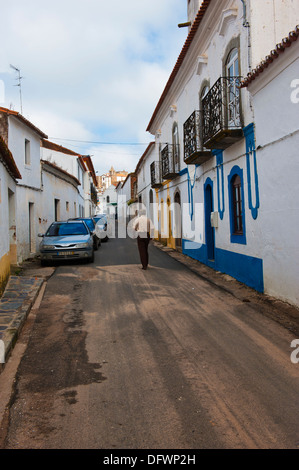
<point>19,78</point>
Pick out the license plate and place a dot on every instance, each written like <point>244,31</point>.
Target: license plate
<point>65,253</point>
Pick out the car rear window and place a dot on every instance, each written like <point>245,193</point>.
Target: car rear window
<point>57,230</point>
<point>89,224</point>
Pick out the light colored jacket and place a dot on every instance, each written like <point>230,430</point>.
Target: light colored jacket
<point>143,226</point>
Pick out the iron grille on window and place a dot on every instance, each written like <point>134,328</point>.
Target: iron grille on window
<point>194,151</point>
<point>221,111</point>
<point>156,179</point>
<point>191,135</point>
<point>170,158</point>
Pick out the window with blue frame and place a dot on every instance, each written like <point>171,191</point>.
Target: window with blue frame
<point>237,207</point>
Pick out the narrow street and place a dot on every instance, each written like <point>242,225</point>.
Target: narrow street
<point>121,358</point>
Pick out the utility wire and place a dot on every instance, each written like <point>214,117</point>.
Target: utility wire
<point>100,143</point>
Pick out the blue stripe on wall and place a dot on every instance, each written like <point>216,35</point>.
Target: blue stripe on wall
<point>245,269</point>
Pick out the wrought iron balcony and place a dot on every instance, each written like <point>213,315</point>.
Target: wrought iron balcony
<point>194,153</point>
<point>170,159</point>
<point>222,123</point>
<point>156,179</point>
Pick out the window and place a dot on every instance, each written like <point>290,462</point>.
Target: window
<point>67,206</point>
<point>27,152</point>
<point>203,94</point>
<point>237,212</point>
<point>56,209</point>
<point>232,72</point>
<point>176,148</point>
<point>237,205</point>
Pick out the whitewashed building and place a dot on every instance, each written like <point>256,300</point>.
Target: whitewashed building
<point>126,195</point>
<point>59,198</point>
<point>107,202</point>
<point>89,187</point>
<point>274,87</point>
<point>9,174</point>
<point>23,140</point>
<point>210,176</point>
<point>73,164</point>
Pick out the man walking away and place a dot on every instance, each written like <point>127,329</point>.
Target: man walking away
<point>144,227</point>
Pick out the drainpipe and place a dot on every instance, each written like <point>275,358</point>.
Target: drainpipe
<point>247,25</point>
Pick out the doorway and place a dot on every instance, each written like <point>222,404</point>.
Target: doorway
<point>177,221</point>
<point>31,228</point>
<point>12,227</point>
<point>210,231</point>
<point>57,210</point>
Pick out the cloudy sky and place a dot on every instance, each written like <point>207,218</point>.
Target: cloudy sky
<point>92,70</point>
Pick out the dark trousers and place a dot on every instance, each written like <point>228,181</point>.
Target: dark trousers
<point>143,250</point>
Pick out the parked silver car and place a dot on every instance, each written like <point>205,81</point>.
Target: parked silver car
<point>67,240</point>
<point>91,224</point>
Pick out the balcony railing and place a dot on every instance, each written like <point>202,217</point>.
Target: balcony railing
<point>194,152</point>
<point>222,124</point>
<point>170,159</point>
<point>156,176</point>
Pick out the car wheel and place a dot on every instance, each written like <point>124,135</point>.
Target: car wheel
<point>91,259</point>
<point>43,262</point>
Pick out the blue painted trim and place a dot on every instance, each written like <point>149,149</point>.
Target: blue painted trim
<point>234,238</point>
<point>251,155</point>
<point>220,177</point>
<point>190,192</point>
<point>246,269</point>
<point>183,172</point>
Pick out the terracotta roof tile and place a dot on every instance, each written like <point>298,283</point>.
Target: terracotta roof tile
<point>52,165</point>
<point>25,121</point>
<point>58,148</point>
<point>88,162</point>
<point>269,59</point>
<point>9,160</point>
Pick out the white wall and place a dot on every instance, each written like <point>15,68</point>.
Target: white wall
<point>17,133</point>
<point>56,188</point>
<point>106,206</point>
<point>6,183</point>
<point>71,164</point>
<point>271,21</point>
<point>29,188</point>
<point>278,139</point>
<point>123,192</point>
<point>270,249</point>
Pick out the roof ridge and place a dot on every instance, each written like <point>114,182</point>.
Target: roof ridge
<point>9,159</point>
<point>274,54</point>
<point>24,120</point>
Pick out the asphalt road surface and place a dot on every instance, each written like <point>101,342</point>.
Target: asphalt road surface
<point>121,358</point>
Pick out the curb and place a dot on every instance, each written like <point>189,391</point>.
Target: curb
<point>17,300</point>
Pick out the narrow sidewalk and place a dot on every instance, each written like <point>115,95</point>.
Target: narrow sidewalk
<point>16,302</point>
